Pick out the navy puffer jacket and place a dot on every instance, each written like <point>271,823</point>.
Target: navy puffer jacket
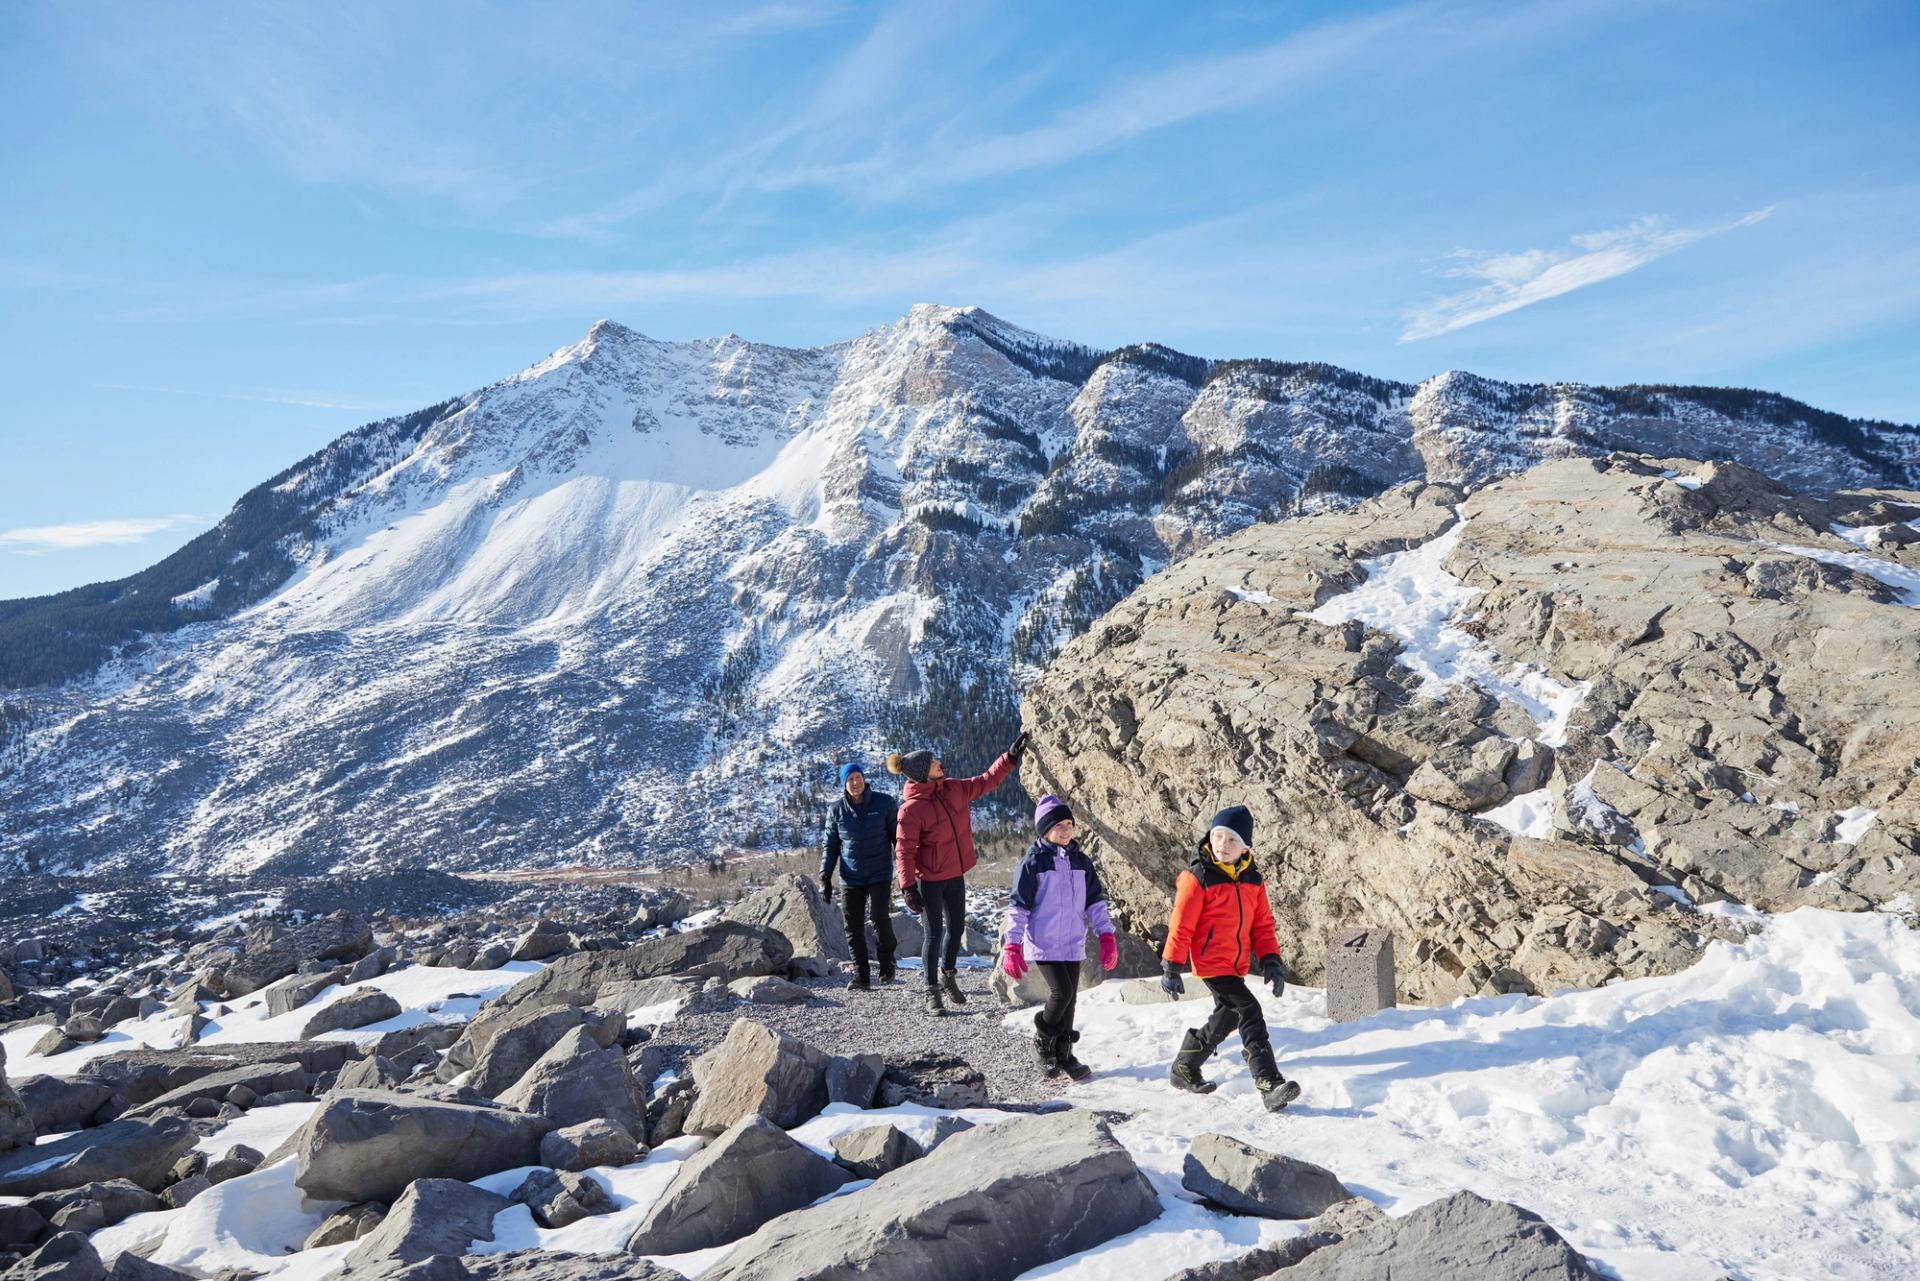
<point>859,839</point>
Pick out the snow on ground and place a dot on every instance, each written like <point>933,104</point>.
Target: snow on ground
<point>1866,536</point>
<point>162,1031</point>
<point>1852,824</point>
<point>1754,1116</point>
<point>1410,595</point>
<point>262,1129</point>
<point>1903,579</point>
<point>427,994</point>
<point>1530,814</point>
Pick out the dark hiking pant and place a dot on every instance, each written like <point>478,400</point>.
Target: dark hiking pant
<point>855,903</point>
<point>946,921</point>
<point>1063,994</point>
<point>1234,1006</point>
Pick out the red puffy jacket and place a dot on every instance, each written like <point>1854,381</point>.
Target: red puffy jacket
<point>1221,921</point>
<point>933,839</point>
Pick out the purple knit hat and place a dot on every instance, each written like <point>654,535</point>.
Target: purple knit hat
<point>1049,811</point>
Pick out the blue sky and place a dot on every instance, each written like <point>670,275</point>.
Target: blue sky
<point>230,232</point>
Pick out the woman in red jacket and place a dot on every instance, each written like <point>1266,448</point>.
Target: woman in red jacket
<point>933,845</point>
<point>1224,926</point>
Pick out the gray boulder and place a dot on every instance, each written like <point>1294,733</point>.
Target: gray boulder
<point>357,1009</point>
<point>516,1042</point>
<point>558,1198</point>
<point>793,906</point>
<point>93,1206</point>
<point>590,1144</point>
<point>294,991</point>
<point>59,1104</point>
<point>769,990</point>
<point>17,1127</point>
<point>874,1151</point>
<point>131,1267</point>
<point>745,1177</point>
<point>727,950</point>
<point>578,1080</point>
<point>369,1145</point>
<point>274,950</point>
<point>348,1224</point>
<point>371,966</point>
<point>140,1076</point>
<point>854,1078</point>
<point>21,1225</point>
<point>375,1072</point>
<point>990,1204</point>
<point>261,1078</point>
<point>1463,1235</point>
<point>68,1256</point>
<point>141,1151</point>
<point>1250,1180</point>
<point>552,1265</point>
<point>545,940</point>
<point>757,1071</point>
<point>433,1216</point>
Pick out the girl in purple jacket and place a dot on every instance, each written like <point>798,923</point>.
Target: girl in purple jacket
<point>1057,898</point>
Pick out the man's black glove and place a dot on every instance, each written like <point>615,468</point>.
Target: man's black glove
<point>826,888</point>
<point>910,895</point>
<point>1018,749</point>
<point>1170,980</point>
<point>1272,971</point>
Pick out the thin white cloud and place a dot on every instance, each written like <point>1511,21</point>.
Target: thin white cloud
<point>1519,278</point>
<point>80,534</point>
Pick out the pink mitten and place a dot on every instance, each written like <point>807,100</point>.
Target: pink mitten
<point>1014,961</point>
<point>1109,951</point>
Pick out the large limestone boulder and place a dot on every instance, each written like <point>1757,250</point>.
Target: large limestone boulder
<point>727,950</point>
<point>579,1080</point>
<point>143,1152</point>
<point>433,1216</point>
<point>356,1009</point>
<point>757,1071</point>
<point>749,1174</point>
<point>369,1145</point>
<point>987,1205</point>
<point>60,1104</point>
<point>1463,1235</point>
<point>1248,1180</point>
<point>274,950</point>
<point>1643,677</point>
<point>140,1076</point>
<point>517,1042</point>
<point>794,907</point>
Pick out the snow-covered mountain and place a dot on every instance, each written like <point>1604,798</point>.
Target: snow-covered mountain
<point>636,600</point>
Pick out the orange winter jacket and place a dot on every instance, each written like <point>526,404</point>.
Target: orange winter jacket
<point>1221,920</point>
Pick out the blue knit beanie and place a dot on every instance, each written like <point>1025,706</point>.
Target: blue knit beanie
<point>851,767</point>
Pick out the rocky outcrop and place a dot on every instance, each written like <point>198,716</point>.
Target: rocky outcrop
<point>369,1146</point>
<point>16,1122</point>
<point>748,1175</point>
<point>1463,1235</point>
<point>793,906</point>
<point>757,1071</point>
<point>726,950</point>
<point>1247,1180</point>
<point>433,1216</point>
<point>579,1080</point>
<point>1495,724</point>
<point>988,1205</point>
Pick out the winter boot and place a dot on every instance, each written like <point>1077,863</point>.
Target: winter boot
<point>887,972</point>
<point>935,1006</point>
<point>860,983</point>
<point>1275,1090</point>
<point>1073,1067</point>
<point>950,984</point>
<point>1185,1072</point>
<point>1047,1050</point>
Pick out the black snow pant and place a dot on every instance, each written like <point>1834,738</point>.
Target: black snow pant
<point>946,922</point>
<point>1234,1006</point>
<point>1063,994</point>
<point>856,902</point>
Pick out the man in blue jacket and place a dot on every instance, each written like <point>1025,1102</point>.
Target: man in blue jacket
<point>859,844</point>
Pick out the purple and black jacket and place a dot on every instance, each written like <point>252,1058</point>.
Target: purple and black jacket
<point>1057,898</point>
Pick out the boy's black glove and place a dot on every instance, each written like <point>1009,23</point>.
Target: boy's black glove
<point>1170,980</point>
<point>1272,971</point>
<point>910,895</point>
<point>1018,749</point>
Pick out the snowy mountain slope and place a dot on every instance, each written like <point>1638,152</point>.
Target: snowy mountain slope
<point>632,601</point>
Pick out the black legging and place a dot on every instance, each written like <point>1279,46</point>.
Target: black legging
<point>1063,993</point>
<point>1234,1006</point>
<point>857,903</point>
<point>946,905</point>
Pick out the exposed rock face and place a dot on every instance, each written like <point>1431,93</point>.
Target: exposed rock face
<point>1249,1180</point>
<point>1463,1235</point>
<point>793,906</point>
<point>369,1146</point>
<point>988,1205</point>
<point>579,1080</point>
<point>518,1042</point>
<point>874,1151</point>
<point>433,1216</point>
<point>143,1152</point>
<point>16,1122</point>
<point>745,1177</point>
<point>357,1010</point>
<point>757,1071</point>
<point>727,950</point>
<point>1699,707</point>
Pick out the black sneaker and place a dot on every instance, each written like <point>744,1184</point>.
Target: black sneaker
<point>950,984</point>
<point>935,1006</point>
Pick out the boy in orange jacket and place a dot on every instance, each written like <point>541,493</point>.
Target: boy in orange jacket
<point>1222,924</point>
